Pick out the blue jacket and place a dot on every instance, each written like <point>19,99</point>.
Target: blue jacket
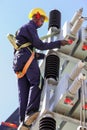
<point>28,33</point>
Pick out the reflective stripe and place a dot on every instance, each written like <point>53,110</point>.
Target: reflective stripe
<point>23,72</point>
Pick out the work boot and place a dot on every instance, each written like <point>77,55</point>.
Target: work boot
<point>24,126</point>
<point>31,118</point>
<point>28,122</point>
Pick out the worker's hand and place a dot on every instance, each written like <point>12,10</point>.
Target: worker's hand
<point>64,42</point>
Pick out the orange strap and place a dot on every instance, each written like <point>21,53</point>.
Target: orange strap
<point>23,72</point>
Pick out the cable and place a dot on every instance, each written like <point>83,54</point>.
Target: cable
<point>82,111</point>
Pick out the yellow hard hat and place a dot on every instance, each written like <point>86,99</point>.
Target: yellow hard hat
<point>35,11</point>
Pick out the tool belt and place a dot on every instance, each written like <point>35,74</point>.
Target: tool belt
<point>12,40</point>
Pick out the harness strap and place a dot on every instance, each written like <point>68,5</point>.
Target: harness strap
<point>12,40</point>
<point>26,66</point>
<point>24,45</point>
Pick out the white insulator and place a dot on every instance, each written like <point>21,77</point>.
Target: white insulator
<point>76,16</point>
<point>76,84</point>
<point>48,115</point>
<point>52,81</point>
<point>77,69</point>
<point>81,128</point>
<point>77,26</point>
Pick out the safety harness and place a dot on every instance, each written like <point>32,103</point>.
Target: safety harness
<point>12,39</point>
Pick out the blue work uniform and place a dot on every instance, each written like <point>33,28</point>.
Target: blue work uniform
<point>29,92</point>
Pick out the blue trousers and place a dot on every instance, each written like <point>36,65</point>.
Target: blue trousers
<point>29,91</point>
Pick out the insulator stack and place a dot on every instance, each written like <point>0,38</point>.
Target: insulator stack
<point>81,128</point>
<point>77,83</point>
<point>77,26</point>
<point>52,66</point>
<point>47,123</point>
<point>76,70</point>
<point>55,19</point>
<point>76,16</point>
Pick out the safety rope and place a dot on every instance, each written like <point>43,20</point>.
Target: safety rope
<point>49,35</point>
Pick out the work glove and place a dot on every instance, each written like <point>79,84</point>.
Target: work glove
<point>64,42</point>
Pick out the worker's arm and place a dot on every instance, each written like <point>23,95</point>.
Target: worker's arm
<point>39,44</point>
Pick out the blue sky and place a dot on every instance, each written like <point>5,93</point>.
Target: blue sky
<point>13,14</point>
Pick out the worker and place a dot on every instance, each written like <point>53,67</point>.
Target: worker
<point>29,84</point>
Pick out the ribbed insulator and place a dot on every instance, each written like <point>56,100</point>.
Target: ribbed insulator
<point>52,66</point>
<point>55,19</point>
<point>47,123</point>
